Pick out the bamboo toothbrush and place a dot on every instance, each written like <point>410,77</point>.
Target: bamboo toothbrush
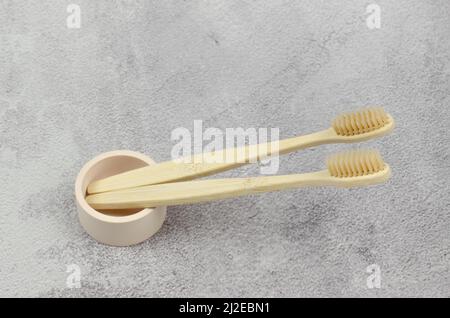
<point>346,128</point>
<point>347,169</point>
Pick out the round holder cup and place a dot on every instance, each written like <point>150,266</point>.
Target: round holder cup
<point>121,227</point>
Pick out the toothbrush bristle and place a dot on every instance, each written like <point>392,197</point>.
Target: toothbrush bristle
<point>355,163</point>
<point>360,122</point>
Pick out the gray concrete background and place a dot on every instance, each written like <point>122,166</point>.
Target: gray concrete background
<point>138,69</point>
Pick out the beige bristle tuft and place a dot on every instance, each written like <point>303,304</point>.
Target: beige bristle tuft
<point>355,163</point>
<point>360,122</point>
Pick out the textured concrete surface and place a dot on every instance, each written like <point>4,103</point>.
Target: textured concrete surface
<point>136,70</point>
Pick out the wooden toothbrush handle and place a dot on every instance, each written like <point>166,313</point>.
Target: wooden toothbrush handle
<point>200,191</point>
<point>205,164</point>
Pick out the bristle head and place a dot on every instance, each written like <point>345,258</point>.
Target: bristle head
<point>355,163</point>
<point>360,122</point>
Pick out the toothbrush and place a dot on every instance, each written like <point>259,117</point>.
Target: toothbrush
<point>346,128</point>
<point>347,169</point>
